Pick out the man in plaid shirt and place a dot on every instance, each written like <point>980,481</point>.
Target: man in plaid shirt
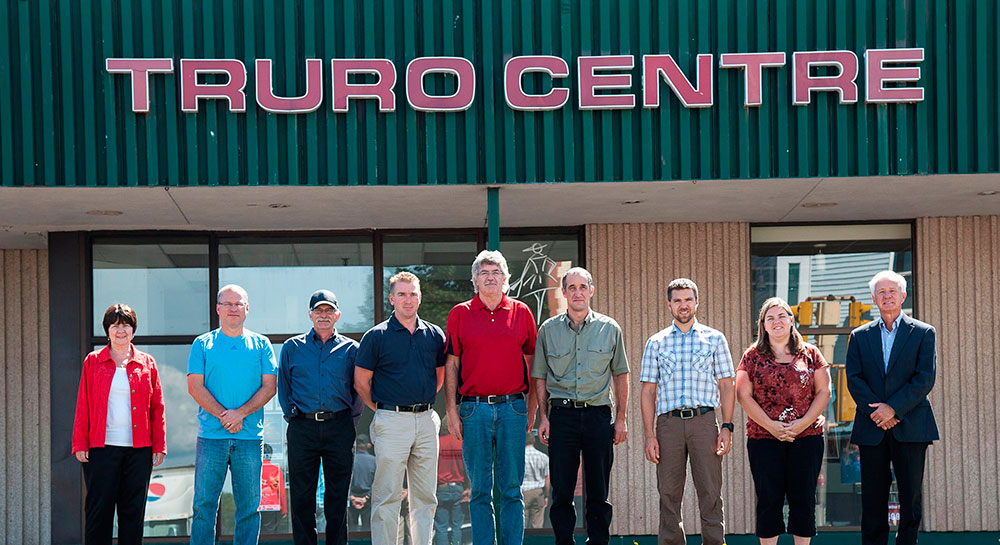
<point>687,373</point>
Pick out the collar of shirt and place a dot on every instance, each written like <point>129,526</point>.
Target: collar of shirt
<point>314,337</point>
<point>478,304</point>
<point>895,323</point>
<point>569,321</point>
<point>694,327</point>
<point>398,326</point>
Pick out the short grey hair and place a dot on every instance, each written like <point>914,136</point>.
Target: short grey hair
<point>491,257</point>
<point>894,277</point>
<point>579,271</point>
<point>233,288</point>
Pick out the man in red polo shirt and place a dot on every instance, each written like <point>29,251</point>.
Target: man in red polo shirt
<point>491,343</point>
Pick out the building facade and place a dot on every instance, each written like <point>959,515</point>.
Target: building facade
<point>151,152</point>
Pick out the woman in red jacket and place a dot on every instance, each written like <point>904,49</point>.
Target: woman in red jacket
<point>119,432</point>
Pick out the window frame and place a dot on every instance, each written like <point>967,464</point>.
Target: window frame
<point>815,331</point>
<point>213,239</point>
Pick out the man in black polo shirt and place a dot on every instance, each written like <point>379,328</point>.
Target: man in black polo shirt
<point>399,369</point>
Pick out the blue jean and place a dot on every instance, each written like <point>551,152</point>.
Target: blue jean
<point>493,443</point>
<point>213,458</point>
<point>450,514</point>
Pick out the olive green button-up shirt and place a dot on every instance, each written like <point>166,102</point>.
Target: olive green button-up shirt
<point>579,364</point>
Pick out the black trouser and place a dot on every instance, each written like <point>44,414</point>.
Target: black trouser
<point>786,470</point>
<point>309,443</point>
<point>573,432</point>
<point>907,460</point>
<point>116,477</point>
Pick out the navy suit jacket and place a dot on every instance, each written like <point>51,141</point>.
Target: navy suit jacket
<point>904,386</point>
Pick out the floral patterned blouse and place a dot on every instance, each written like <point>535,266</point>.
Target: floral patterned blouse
<point>784,390</point>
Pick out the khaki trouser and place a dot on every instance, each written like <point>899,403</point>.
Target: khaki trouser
<point>534,507</point>
<point>404,443</point>
<point>679,438</point>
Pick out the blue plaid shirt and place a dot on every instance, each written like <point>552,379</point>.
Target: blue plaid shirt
<point>686,367</point>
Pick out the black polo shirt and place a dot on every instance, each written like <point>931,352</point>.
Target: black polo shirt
<point>404,364</point>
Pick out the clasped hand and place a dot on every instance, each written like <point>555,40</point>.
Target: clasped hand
<point>883,416</point>
<point>788,431</point>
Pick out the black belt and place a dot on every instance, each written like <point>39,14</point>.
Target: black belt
<point>556,403</point>
<point>493,400</point>
<point>418,408</point>
<point>323,416</point>
<point>688,412</point>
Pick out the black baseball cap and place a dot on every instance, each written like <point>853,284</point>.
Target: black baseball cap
<point>323,297</point>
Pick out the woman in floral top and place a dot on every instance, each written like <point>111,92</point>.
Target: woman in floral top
<point>783,384</point>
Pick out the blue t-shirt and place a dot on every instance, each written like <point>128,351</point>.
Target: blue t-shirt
<point>233,367</point>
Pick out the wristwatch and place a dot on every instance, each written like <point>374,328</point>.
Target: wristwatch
<point>728,426</point>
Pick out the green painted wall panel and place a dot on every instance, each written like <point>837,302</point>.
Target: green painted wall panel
<point>65,121</point>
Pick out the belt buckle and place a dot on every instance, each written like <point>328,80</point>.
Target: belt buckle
<point>316,416</point>
<point>578,404</point>
<point>493,400</point>
<point>687,414</point>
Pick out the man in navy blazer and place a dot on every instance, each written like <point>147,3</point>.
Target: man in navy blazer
<point>890,370</point>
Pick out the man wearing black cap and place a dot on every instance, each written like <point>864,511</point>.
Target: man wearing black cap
<point>316,392</point>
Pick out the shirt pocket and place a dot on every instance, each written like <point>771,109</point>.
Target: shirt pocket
<point>600,355</point>
<point>667,363</point>
<point>701,360</point>
<point>559,362</point>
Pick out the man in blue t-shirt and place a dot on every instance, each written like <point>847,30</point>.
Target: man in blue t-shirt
<point>231,374</point>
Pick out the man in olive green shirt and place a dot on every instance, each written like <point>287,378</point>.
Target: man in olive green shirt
<point>578,356</point>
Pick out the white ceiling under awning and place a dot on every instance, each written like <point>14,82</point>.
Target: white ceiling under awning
<point>28,214</point>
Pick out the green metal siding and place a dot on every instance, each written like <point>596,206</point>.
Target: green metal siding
<point>65,121</point>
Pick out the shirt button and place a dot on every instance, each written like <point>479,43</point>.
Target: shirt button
<point>133,391</point>
<point>133,408</point>
<point>135,426</point>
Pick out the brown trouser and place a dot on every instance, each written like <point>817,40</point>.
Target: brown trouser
<point>534,507</point>
<point>679,438</point>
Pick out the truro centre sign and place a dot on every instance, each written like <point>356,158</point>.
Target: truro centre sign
<point>602,82</point>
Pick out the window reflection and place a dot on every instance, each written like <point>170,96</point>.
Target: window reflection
<point>826,282</point>
<point>443,266</point>
<point>279,279</point>
<point>168,285</point>
<point>171,488</point>
<point>146,276</point>
<point>536,267</point>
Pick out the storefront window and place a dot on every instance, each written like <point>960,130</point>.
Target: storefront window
<point>537,264</point>
<point>279,279</point>
<point>442,265</point>
<point>145,277</point>
<point>823,271</point>
<point>169,287</point>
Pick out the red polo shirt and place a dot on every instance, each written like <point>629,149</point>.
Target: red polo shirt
<point>492,345</point>
<point>149,426</point>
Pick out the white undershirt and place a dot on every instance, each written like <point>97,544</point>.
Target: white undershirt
<point>118,431</point>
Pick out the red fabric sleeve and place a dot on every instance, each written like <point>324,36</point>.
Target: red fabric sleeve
<point>81,421</point>
<point>454,342</point>
<point>532,336</point>
<point>157,415</point>
<point>747,362</point>
<point>818,361</point>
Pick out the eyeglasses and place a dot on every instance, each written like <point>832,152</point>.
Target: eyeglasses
<point>236,306</point>
<point>490,274</point>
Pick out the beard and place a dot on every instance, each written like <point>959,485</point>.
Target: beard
<point>683,319</point>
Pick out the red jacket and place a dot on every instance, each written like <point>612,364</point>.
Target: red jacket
<point>149,426</point>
